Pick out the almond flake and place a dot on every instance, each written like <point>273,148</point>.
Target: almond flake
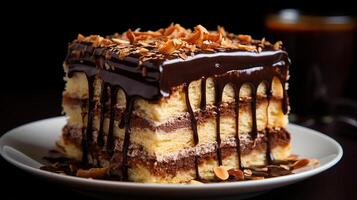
<point>176,41</point>
<point>131,37</point>
<point>221,173</point>
<point>170,46</point>
<point>221,30</point>
<point>120,41</point>
<point>245,38</point>
<point>300,163</point>
<point>95,173</point>
<point>277,45</point>
<point>236,173</point>
<point>183,56</point>
<point>143,51</point>
<point>80,37</point>
<point>247,172</point>
<point>247,47</point>
<point>169,29</point>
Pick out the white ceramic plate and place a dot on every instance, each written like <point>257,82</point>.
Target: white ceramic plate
<point>26,145</point>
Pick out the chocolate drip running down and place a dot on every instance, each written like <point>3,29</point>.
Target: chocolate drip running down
<point>236,68</point>
<point>103,101</point>
<point>193,125</point>
<point>113,102</point>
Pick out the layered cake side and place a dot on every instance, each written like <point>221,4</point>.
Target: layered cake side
<point>170,106</point>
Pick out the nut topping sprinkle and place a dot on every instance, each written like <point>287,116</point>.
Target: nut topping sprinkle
<point>175,41</point>
<point>221,173</point>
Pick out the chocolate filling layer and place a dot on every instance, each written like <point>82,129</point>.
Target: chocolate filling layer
<point>183,121</point>
<point>278,138</point>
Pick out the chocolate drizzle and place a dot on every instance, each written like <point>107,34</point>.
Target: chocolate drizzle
<point>218,86</point>
<point>103,110</point>
<point>110,137</point>
<point>253,77</point>
<point>125,123</point>
<point>235,68</point>
<point>268,154</point>
<point>193,125</point>
<point>254,112</point>
<point>236,110</point>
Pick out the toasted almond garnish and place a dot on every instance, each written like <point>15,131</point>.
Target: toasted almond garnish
<point>95,173</point>
<point>221,173</point>
<point>300,163</point>
<point>247,47</point>
<point>143,51</point>
<point>260,169</point>
<point>227,43</point>
<point>169,29</point>
<point>214,37</point>
<point>198,35</point>
<point>123,53</point>
<point>183,56</point>
<point>147,33</point>
<point>80,37</point>
<point>176,41</point>
<point>262,42</point>
<point>193,38</point>
<point>170,46</point>
<point>120,41</point>
<point>201,28</point>
<point>131,37</point>
<point>105,42</point>
<point>286,167</point>
<point>260,49</point>
<point>277,45</point>
<point>313,163</point>
<point>236,173</point>
<point>247,172</point>
<point>94,39</point>
<point>245,38</point>
<point>221,30</point>
<point>209,45</point>
<point>167,48</point>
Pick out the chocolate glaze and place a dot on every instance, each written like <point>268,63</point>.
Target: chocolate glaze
<point>218,100</point>
<point>103,110</point>
<point>234,67</point>
<point>110,138</point>
<point>193,125</point>
<point>268,154</point>
<point>125,123</point>
<point>236,110</point>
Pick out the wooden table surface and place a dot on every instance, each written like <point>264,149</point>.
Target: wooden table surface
<point>339,182</point>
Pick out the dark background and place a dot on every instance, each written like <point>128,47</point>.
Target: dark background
<point>35,38</point>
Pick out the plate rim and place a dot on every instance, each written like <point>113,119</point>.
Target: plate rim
<point>134,185</point>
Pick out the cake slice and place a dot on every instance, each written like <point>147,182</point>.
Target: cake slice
<point>172,105</point>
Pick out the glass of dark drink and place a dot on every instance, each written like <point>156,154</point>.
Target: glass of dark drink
<point>321,49</point>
